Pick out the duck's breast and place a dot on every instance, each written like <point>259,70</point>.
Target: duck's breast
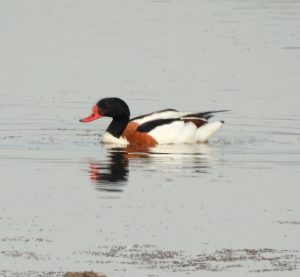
<point>138,138</point>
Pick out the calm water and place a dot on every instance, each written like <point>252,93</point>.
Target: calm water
<point>227,208</point>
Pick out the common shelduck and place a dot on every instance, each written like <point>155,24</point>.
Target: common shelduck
<point>161,127</point>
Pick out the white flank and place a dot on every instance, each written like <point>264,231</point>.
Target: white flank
<point>167,133</point>
<point>175,132</point>
<point>160,115</point>
<point>110,139</point>
<point>187,134</point>
<point>207,130</point>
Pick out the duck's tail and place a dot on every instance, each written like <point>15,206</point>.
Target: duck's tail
<point>205,132</point>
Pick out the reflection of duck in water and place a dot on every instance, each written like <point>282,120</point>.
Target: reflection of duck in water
<point>107,174</point>
<point>112,174</point>
<point>162,127</point>
<point>116,170</point>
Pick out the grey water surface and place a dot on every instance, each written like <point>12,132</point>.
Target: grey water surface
<point>68,203</point>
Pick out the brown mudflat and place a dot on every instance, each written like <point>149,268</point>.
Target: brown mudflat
<point>83,274</point>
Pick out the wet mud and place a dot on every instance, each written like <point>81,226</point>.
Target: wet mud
<point>249,260</point>
<point>149,257</point>
<point>83,274</point>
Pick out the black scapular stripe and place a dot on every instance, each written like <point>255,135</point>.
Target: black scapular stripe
<point>148,126</point>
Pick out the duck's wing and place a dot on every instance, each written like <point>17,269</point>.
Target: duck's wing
<point>151,121</point>
<point>205,115</point>
<point>170,126</point>
<point>158,115</point>
<point>201,118</point>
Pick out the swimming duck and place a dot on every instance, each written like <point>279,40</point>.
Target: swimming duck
<point>167,126</point>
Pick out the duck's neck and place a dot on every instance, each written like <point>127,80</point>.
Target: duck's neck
<point>117,126</point>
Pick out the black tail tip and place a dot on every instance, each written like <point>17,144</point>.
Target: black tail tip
<point>222,121</point>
